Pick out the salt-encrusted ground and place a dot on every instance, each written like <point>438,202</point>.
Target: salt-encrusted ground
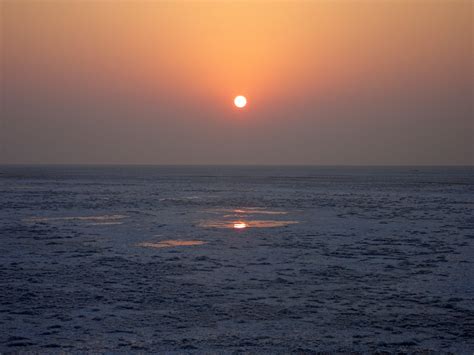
<point>209,259</point>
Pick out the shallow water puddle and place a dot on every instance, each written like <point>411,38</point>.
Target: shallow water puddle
<point>246,211</point>
<point>245,224</point>
<point>170,243</point>
<point>95,220</point>
<point>242,218</point>
<point>180,199</point>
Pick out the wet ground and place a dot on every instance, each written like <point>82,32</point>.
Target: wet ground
<point>208,259</point>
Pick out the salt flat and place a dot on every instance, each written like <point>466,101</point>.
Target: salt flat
<point>224,259</point>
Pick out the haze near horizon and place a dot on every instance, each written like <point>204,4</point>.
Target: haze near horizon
<point>329,83</point>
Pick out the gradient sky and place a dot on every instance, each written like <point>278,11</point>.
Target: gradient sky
<point>153,82</point>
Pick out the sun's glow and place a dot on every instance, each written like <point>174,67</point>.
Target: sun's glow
<point>240,225</point>
<point>240,101</point>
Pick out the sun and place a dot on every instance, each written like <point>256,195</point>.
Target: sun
<point>240,101</point>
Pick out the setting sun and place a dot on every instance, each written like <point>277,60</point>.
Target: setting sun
<point>240,101</point>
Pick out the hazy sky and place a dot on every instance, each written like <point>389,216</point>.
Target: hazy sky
<point>153,82</point>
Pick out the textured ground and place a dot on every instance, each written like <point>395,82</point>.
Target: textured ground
<point>143,258</point>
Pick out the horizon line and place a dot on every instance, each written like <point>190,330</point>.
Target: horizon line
<point>236,165</point>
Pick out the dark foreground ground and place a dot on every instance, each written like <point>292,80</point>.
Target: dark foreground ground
<point>147,259</point>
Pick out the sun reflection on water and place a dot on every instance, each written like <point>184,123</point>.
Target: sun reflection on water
<point>240,225</point>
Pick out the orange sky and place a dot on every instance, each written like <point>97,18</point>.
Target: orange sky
<point>379,69</point>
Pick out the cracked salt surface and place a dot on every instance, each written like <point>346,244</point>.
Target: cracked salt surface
<point>165,259</point>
